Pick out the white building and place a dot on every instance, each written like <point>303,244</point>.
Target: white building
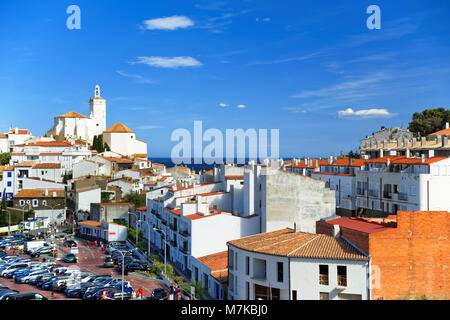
<point>73,125</point>
<point>84,197</point>
<point>104,231</point>
<point>289,265</point>
<point>393,183</point>
<point>123,140</point>
<point>14,137</point>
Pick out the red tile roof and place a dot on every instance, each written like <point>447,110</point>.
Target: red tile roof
<point>174,211</point>
<point>358,225</point>
<point>218,263</point>
<point>142,208</point>
<point>334,174</point>
<point>119,128</point>
<point>288,243</point>
<point>444,132</point>
<point>346,162</point>
<point>91,223</point>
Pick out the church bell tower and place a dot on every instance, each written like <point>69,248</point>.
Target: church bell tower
<point>97,113</point>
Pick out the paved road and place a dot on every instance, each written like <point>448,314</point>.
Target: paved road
<point>90,259</point>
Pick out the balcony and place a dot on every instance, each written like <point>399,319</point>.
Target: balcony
<point>387,195</point>
<point>373,193</point>
<point>184,233</point>
<point>174,227</point>
<point>163,222</point>
<point>403,196</point>
<point>184,250</point>
<point>323,279</point>
<point>342,281</point>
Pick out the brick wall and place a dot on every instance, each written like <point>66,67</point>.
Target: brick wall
<point>413,259</point>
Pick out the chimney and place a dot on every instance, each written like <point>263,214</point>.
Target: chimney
<point>414,142</point>
<point>336,230</point>
<point>444,141</point>
<point>422,157</point>
<point>295,227</point>
<point>388,162</point>
<point>46,192</point>
<point>423,141</point>
<point>446,125</point>
<point>407,153</point>
<point>54,194</point>
<point>439,139</point>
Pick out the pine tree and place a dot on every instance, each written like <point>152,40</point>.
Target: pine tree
<point>3,213</point>
<point>94,143</point>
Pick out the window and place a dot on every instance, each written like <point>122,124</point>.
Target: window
<point>22,203</point>
<point>230,259</point>
<point>236,260</point>
<point>294,294</point>
<point>9,184</point>
<point>324,296</point>
<point>280,271</point>
<point>323,274</point>
<point>35,202</point>
<point>44,203</point>
<point>247,291</point>
<point>9,174</point>
<point>247,265</point>
<point>342,276</point>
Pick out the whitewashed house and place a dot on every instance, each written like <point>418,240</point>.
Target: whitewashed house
<point>289,265</point>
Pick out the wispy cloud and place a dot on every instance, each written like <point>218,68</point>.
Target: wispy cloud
<point>168,62</point>
<point>351,114</point>
<point>148,127</point>
<point>347,87</point>
<point>290,59</point>
<point>223,105</point>
<point>136,77</point>
<point>296,110</point>
<point>241,106</point>
<point>168,23</point>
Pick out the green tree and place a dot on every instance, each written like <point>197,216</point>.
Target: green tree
<point>4,158</point>
<point>106,147</point>
<point>137,199</point>
<point>3,212</point>
<point>429,121</point>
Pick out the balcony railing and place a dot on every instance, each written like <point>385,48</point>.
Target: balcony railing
<point>403,196</point>
<point>173,227</point>
<point>373,193</point>
<point>387,195</point>
<point>323,279</point>
<point>184,233</point>
<point>342,281</point>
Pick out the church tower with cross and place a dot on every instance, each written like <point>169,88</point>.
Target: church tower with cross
<point>97,112</point>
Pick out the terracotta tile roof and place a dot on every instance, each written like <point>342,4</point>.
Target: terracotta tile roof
<point>87,189</point>
<point>51,154</point>
<point>286,242</point>
<point>445,132</point>
<point>40,193</point>
<point>72,114</point>
<point>47,166</point>
<point>118,160</point>
<point>206,194</point>
<point>334,174</point>
<point>3,136</point>
<point>346,162</point>
<point>118,127</point>
<point>49,144</point>
<point>174,211</point>
<point>418,161</point>
<point>358,224</point>
<point>91,223</point>
<point>26,164</point>
<point>218,263</point>
<point>142,208</point>
<point>17,153</point>
<point>314,164</point>
<point>20,131</point>
<point>197,216</point>
<point>234,177</point>
<point>383,159</point>
<point>9,168</point>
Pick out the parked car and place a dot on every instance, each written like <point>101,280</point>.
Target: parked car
<point>159,294</point>
<point>26,296</point>
<point>112,294</point>
<point>136,266</point>
<point>41,251</point>
<point>108,263</point>
<point>70,243</point>
<point>70,258</point>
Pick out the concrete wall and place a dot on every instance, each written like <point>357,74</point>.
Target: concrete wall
<point>290,198</point>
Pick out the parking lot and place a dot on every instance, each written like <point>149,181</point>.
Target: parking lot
<point>90,259</point>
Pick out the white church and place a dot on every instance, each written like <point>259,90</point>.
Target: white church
<point>75,126</point>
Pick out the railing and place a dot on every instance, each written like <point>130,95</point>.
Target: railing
<point>373,193</point>
<point>173,227</point>
<point>387,195</point>
<point>323,279</point>
<point>184,233</point>
<point>342,281</point>
<point>403,196</point>
<point>361,192</point>
<point>184,250</point>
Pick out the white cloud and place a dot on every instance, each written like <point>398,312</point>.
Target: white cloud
<point>168,62</point>
<point>224,105</point>
<point>241,106</point>
<point>168,23</point>
<point>365,114</point>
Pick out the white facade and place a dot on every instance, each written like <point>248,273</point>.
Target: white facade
<point>84,198</point>
<point>393,185</point>
<point>77,126</point>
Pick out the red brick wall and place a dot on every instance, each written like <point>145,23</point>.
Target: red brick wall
<point>359,239</point>
<point>413,259</point>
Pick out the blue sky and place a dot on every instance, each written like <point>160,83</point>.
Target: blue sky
<point>311,69</point>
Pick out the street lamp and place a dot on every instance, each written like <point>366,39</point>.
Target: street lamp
<point>165,246</point>
<point>123,269</point>
<point>23,213</point>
